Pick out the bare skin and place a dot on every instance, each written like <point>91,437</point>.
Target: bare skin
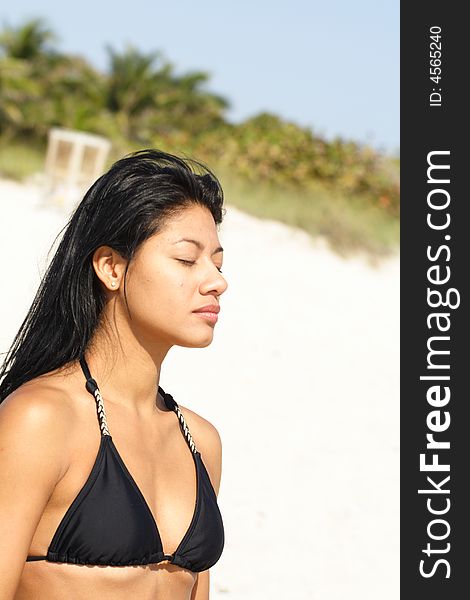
<point>50,435</point>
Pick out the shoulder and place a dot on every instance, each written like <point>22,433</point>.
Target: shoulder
<point>35,404</point>
<point>36,417</point>
<point>208,442</point>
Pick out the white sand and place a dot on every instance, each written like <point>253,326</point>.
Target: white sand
<point>302,381</point>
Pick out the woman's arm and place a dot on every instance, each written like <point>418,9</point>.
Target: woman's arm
<point>209,442</point>
<point>32,461</point>
<point>202,586</point>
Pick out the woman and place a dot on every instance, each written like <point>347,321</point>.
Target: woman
<point>109,486</point>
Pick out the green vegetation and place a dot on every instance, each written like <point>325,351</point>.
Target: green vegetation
<point>269,167</point>
<point>19,160</point>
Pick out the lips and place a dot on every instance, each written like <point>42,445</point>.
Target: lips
<point>208,308</point>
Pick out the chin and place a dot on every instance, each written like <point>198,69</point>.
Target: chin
<point>197,341</point>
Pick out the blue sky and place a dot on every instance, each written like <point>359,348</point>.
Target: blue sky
<point>332,66</point>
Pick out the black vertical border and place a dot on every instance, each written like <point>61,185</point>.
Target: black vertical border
<point>424,129</point>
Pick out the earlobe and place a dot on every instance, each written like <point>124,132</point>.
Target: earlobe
<point>108,265</point>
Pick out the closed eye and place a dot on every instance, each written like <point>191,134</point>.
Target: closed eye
<point>187,262</point>
<point>192,262</point>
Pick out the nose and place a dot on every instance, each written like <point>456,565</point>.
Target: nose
<point>214,282</point>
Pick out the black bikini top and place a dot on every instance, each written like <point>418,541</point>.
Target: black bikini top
<point>110,522</point>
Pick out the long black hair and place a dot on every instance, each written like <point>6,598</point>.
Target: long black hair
<point>123,208</point>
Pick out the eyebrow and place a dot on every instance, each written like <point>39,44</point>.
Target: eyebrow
<point>198,244</point>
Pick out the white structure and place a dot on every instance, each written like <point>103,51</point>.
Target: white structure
<point>74,160</point>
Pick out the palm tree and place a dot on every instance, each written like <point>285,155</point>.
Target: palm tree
<point>147,97</point>
<point>24,52</point>
<point>189,106</point>
<point>133,85</point>
<point>18,91</point>
<point>41,88</point>
<point>27,42</point>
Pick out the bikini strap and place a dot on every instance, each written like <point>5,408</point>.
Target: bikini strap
<point>173,405</point>
<point>93,388</point>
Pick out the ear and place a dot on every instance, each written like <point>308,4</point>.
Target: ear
<point>109,267</point>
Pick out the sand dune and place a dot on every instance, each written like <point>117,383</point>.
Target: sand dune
<point>301,382</point>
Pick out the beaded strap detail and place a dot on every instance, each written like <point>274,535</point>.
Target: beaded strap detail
<point>185,428</point>
<point>101,412</point>
<point>93,388</point>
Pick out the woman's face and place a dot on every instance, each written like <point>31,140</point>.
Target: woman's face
<point>170,278</point>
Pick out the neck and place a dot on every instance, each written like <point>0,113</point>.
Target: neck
<point>126,371</point>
